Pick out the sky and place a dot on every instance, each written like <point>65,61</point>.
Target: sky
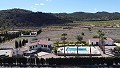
<point>62,6</point>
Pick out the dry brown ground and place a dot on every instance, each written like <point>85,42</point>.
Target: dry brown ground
<point>55,33</point>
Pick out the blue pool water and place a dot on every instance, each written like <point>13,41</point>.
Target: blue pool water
<point>75,49</point>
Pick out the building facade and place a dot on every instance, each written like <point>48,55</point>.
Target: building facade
<point>96,41</point>
<point>40,44</point>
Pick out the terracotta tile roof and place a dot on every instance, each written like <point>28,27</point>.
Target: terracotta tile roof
<point>97,39</point>
<point>33,44</point>
<point>23,49</point>
<point>108,39</point>
<point>42,42</point>
<point>94,39</point>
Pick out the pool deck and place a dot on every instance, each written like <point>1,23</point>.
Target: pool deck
<point>108,52</point>
<point>94,51</point>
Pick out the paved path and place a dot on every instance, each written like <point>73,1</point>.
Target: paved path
<point>108,52</point>
<point>102,54</point>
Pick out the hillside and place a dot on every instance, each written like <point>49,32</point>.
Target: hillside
<point>24,18</point>
<point>21,17</point>
<point>83,16</point>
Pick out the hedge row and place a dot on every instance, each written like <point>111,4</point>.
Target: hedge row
<point>62,61</point>
<point>7,36</point>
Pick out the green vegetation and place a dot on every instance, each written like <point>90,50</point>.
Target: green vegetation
<point>39,31</point>
<point>20,43</point>
<point>26,32</point>
<point>117,48</point>
<point>8,36</point>
<point>79,38</point>
<point>101,35</point>
<point>26,18</point>
<point>77,61</point>
<point>55,47</point>
<point>117,40</point>
<point>110,23</point>
<point>116,51</point>
<point>95,36</point>
<point>78,43</point>
<point>82,16</point>
<point>33,39</point>
<point>63,38</point>
<point>82,34</point>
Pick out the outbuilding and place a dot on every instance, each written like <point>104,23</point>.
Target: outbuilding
<point>96,41</point>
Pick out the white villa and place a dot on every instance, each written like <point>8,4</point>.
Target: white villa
<point>43,44</point>
<point>28,48</point>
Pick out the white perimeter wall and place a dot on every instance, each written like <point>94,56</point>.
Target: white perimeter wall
<point>6,52</point>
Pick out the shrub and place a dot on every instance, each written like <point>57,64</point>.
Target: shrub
<point>82,34</point>
<point>79,38</point>
<point>117,40</point>
<point>117,48</point>
<point>95,36</point>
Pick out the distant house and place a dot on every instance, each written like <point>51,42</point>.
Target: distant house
<point>93,41</point>
<point>31,34</point>
<point>11,32</point>
<point>109,41</point>
<point>96,41</point>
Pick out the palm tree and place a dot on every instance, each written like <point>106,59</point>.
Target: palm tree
<point>90,51</point>
<point>63,38</point>
<point>77,50</point>
<point>79,38</point>
<point>101,39</point>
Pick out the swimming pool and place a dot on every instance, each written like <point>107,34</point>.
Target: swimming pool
<point>81,50</point>
<point>75,49</point>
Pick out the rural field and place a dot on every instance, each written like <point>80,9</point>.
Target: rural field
<point>55,33</point>
<point>73,30</point>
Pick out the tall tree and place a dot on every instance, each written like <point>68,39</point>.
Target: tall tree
<point>101,40</point>
<point>4,29</point>
<point>63,38</point>
<point>20,43</point>
<point>16,44</point>
<point>79,39</point>
<point>23,42</point>
<point>90,51</point>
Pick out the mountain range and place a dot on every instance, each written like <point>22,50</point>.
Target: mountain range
<point>23,18</point>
